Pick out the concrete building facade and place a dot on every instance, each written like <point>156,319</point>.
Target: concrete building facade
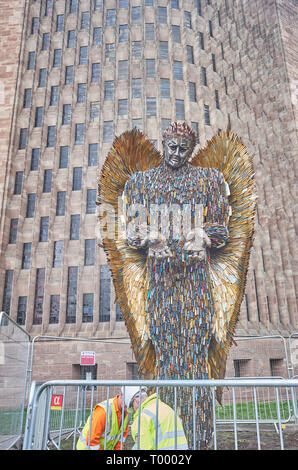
<point>76,73</point>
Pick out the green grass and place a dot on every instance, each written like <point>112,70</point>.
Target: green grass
<point>266,411</point>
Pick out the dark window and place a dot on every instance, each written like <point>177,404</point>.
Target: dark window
<point>71,38</point>
<point>34,25</point>
<point>51,136</point>
<point>123,70</point>
<point>66,114</point>
<point>45,41</point>
<point>136,49</point>
<point>104,294</point>
<point>71,305</point>
<point>135,15</point>
<point>89,252</point>
<point>213,62</point>
<point>31,60</point>
<point>27,97</point>
<point>95,76</point>
<point>149,32</point>
<point>175,4</point>
<point>39,294</point>
<point>85,20</point>
<point>47,181</point>
<point>7,291</point>
<point>165,88</point>
<point>109,89</point>
<point>132,371</point>
<point>149,3</point>
<point>123,33</point>
<point>91,201</point>
<point>34,159</point>
<point>58,254</point>
<point>74,227</point>
<point>204,76</point>
<point>162,15</point>
<point>199,7</point>
<point>110,52</point>
<point>190,56</point>
<point>68,74</point>
<point>38,116</point>
<point>83,57</point>
<point>180,112</point>
<point>26,258</point>
<point>30,205</point>
<point>206,114</point>
<point>61,200</point>
<point>277,367</point>
<point>59,23</point>
<point>13,232</point>
<point>108,131</point>
<point>217,100</point>
<point>81,93</point>
<point>210,28</point>
<point>97,36</point>
<point>163,49</point>
<point>48,7</point>
<point>42,77</point>
<point>195,127</point>
<point>18,182</point>
<point>98,5</point>
<point>165,123</point>
<point>150,68</point>
<point>23,139</point>
<point>119,316</point>
<point>123,3</point>
<point>73,6</point>
<point>44,229</point>
<point>54,309</point>
<point>241,367</point>
<point>123,108</point>
<point>79,134</point>
<point>77,179</point>
<point>137,123</point>
<point>88,300</point>
<point>22,307</point>
<point>137,88</point>
<point>150,107</point>
<point>187,19</point>
<point>176,33</point>
<point>178,70</point>
<point>63,158</point>
<point>111,17</point>
<point>57,58</point>
<point>93,155</point>
<point>201,40</point>
<point>54,95</point>
<point>192,91</point>
<point>94,111</point>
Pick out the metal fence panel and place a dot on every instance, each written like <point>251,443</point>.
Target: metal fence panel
<point>14,359</point>
<point>59,428</point>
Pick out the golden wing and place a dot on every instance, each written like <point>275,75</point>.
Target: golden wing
<point>130,152</point>
<point>229,264</point>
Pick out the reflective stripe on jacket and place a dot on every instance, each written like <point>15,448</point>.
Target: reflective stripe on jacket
<point>163,424</point>
<point>112,433</point>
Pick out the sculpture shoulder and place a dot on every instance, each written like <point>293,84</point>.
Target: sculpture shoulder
<point>141,176</point>
<point>204,172</point>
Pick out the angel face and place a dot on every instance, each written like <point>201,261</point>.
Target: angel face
<point>177,151</point>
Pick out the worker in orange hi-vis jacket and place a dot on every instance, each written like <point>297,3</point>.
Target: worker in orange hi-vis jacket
<point>106,426</point>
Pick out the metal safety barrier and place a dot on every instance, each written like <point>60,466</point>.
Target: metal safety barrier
<point>57,424</point>
<point>14,359</point>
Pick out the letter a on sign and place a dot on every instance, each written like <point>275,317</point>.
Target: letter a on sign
<point>56,403</point>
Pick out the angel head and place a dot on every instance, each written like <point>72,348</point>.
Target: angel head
<point>179,140</point>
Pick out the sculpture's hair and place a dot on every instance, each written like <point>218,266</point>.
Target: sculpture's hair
<point>180,129</point>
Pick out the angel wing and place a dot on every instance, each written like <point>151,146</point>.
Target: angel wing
<point>229,264</point>
<point>131,152</point>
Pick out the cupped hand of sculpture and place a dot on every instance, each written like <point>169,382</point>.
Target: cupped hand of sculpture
<point>196,243</point>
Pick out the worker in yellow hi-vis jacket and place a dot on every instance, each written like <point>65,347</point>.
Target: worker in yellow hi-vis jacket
<point>148,420</point>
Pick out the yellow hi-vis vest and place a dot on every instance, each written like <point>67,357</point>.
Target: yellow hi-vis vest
<point>163,424</point>
<point>112,432</point>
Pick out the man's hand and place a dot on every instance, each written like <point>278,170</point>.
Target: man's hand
<point>157,245</point>
<point>196,243</point>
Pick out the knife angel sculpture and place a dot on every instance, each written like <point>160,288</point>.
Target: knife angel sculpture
<point>177,230</point>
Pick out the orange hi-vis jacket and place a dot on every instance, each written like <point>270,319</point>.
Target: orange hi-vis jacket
<point>98,428</point>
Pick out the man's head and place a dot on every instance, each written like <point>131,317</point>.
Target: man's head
<point>132,396</point>
<point>179,141</point>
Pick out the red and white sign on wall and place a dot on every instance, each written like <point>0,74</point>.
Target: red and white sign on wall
<point>87,358</point>
<point>56,402</point>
